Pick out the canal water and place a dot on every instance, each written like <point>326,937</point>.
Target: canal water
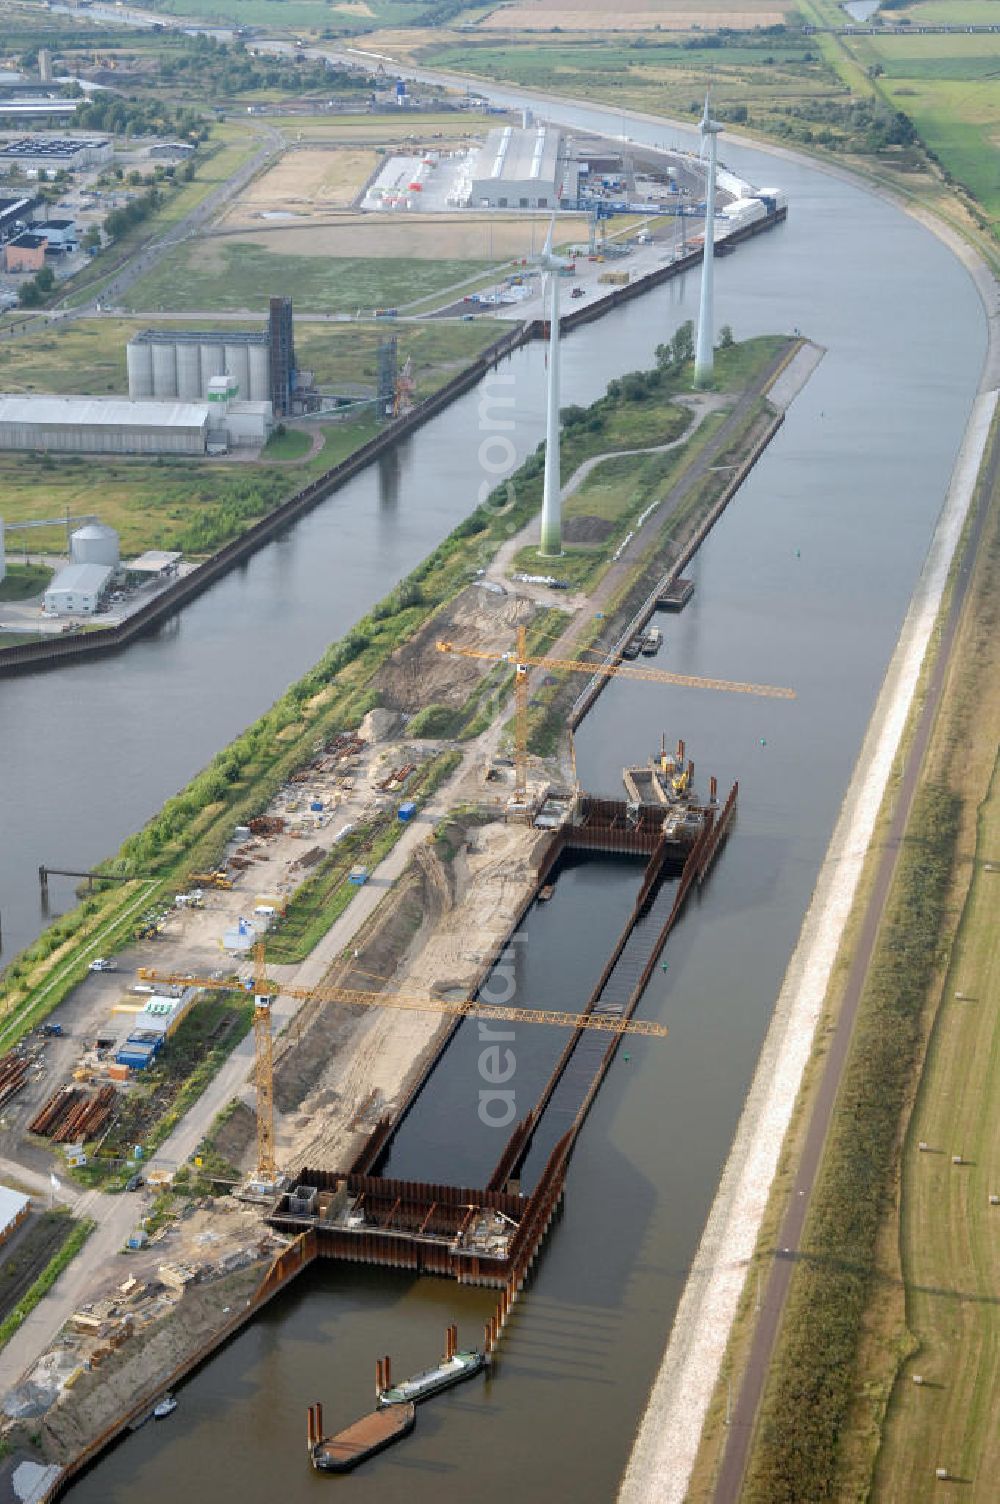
<point>804,582</point>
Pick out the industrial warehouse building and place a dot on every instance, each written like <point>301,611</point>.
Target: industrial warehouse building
<point>112,425</point>
<point>38,153</point>
<point>78,590</point>
<point>523,169</point>
<point>101,425</point>
<point>25,253</point>
<point>170,363</point>
<point>14,1208</point>
<point>16,213</point>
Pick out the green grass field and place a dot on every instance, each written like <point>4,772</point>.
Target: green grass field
<point>949,1231</point>
<point>312,16</point>
<point>244,275</point>
<point>88,355</point>
<point>22,582</point>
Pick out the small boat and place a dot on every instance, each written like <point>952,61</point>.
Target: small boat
<point>454,1370</point>
<point>652,642</point>
<point>166,1407</point>
<point>544,894</point>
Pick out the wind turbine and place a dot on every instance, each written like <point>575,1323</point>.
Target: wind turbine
<point>551,541</point>
<point>703,353</point>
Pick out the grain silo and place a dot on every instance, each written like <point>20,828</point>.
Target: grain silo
<point>94,543</point>
<point>260,376</point>
<point>139,358</point>
<point>213,360</point>
<point>164,369</point>
<point>189,388</point>
<point>238,365</point>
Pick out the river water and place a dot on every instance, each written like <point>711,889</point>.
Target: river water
<point>804,582</point>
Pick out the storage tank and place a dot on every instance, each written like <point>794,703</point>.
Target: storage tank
<point>238,366</point>
<point>164,370</point>
<point>213,363</point>
<point>260,374</point>
<point>94,543</point>
<point>139,359</point>
<point>188,371</point>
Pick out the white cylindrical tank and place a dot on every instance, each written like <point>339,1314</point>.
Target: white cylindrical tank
<point>238,366</point>
<point>164,370</point>
<point>188,371</point>
<point>94,543</point>
<point>139,359</point>
<point>260,374</point>
<point>213,363</point>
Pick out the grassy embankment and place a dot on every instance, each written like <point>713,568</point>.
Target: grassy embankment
<point>77,1235</point>
<point>24,581</point>
<point>196,505</point>
<point>875,1287</point>
<point>193,828</point>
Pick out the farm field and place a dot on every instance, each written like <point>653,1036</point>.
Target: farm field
<point>465,236</point>
<point>314,16</point>
<point>758,83</point>
<point>635,15</point>
<point>381,130</point>
<point>306,181</point>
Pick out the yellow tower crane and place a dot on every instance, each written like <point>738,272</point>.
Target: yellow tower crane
<point>265,990</point>
<point>523,663</point>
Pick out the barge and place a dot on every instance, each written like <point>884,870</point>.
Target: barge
<point>455,1367</point>
<point>359,1441</point>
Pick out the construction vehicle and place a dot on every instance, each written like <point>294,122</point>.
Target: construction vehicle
<point>265,990</point>
<point>523,663</point>
<point>219,879</point>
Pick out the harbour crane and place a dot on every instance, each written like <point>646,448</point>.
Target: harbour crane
<point>265,990</point>
<point>524,662</point>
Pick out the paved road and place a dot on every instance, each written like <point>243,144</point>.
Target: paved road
<point>744,1418</point>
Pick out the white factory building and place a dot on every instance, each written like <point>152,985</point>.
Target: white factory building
<point>78,590</point>
<point>114,425</point>
<point>523,169</point>
<point>102,425</point>
<point>181,363</point>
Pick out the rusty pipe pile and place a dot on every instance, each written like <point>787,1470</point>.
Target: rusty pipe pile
<point>13,1075</point>
<point>54,1110</point>
<point>71,1114</point>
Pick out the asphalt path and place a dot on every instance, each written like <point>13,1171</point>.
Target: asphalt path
<point>744,1415</point>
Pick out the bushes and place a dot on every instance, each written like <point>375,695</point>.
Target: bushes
<point>433,721</point>
<point>813,1383</point>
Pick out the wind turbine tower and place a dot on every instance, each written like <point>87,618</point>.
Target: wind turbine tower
<point>703,353</point>
<point>551,542</point>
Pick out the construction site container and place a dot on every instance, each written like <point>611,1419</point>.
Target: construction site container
<point>407,810</point>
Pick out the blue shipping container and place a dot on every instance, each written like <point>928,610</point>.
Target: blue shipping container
<point>408,810</point>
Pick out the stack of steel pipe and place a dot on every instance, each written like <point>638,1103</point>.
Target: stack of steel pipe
<point>13,1075</point>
